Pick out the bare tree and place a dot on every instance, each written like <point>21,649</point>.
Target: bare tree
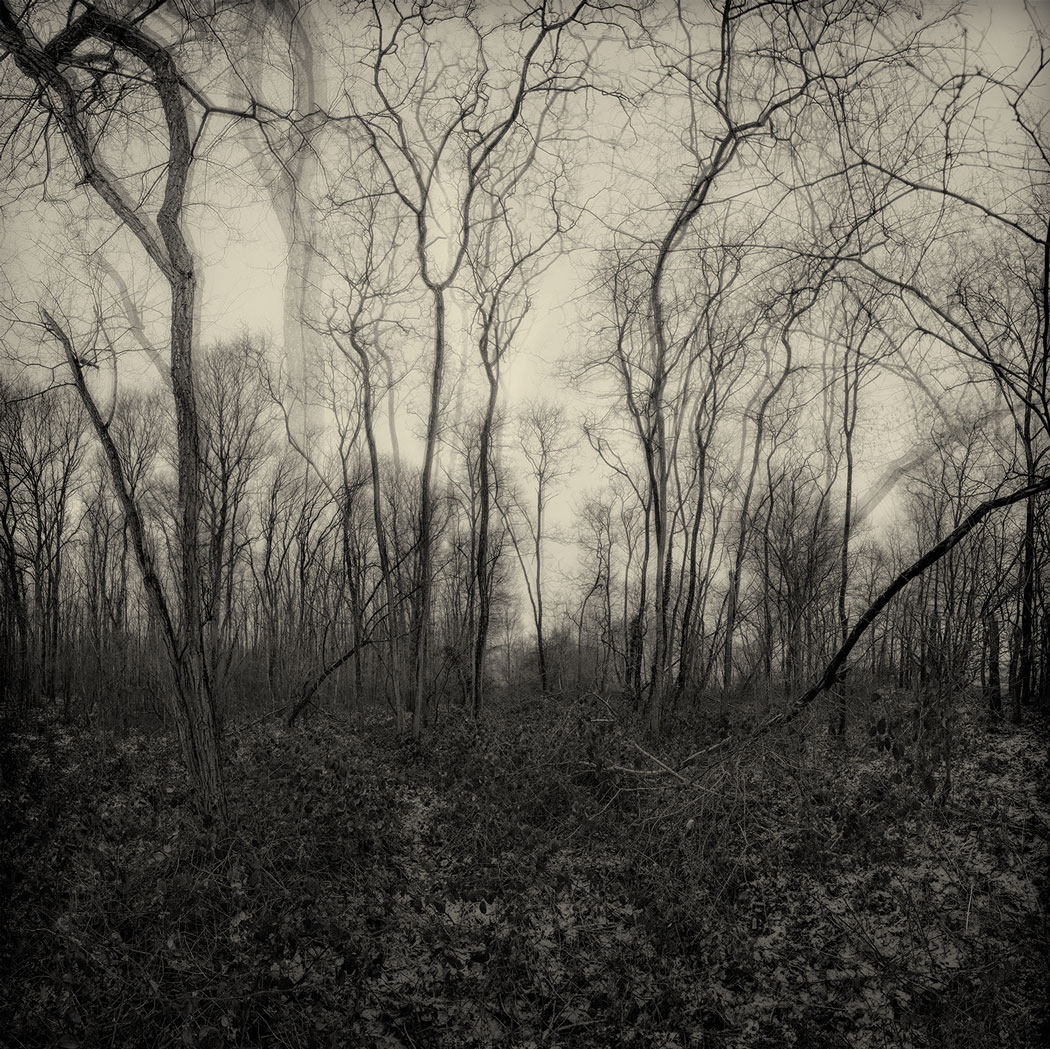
<point>441,133</point>
<point>367,287</point>
<point>993,317</point>
<point>501,266</point>
<point>545,442</point>
<point>41,450</point>
<point>749,87</point>
<point>121,56</point>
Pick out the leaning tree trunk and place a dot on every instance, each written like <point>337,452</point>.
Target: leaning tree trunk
<point>194,707</point>
<point>835,668</point>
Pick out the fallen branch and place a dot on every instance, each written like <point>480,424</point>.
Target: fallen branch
<point>657,761</point>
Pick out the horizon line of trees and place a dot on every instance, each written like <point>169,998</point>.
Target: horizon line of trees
<point>295,598</point>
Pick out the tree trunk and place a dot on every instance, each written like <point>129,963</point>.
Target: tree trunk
<point>1014,676</point>
<point>394,669</point>
<point>424,553</point>
<point>484,583</point>
<point>993,692</point>
<point>541,643</point>
<point>1026,632</point>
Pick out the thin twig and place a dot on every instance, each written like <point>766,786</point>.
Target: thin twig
<point>667,768</point>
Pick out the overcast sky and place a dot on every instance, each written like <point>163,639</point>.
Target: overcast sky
<point>244,259</point>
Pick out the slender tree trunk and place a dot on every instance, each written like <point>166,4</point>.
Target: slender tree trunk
<point>993,688</point>
<point>661,588</point>
<point>482,551</point>
<point>541,642</point>
<point>1026,633</point>
<point>394,670</point>
<point>687,643</point>
<point>738,560</point>
<point>1014,675</point>
<point>849,410</point>
<point>424,552</point>
<point>1042,697</point>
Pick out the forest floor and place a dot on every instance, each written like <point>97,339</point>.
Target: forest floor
<point>536,880</point>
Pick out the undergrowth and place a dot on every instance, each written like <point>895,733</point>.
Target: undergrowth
<point>536,881</point>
